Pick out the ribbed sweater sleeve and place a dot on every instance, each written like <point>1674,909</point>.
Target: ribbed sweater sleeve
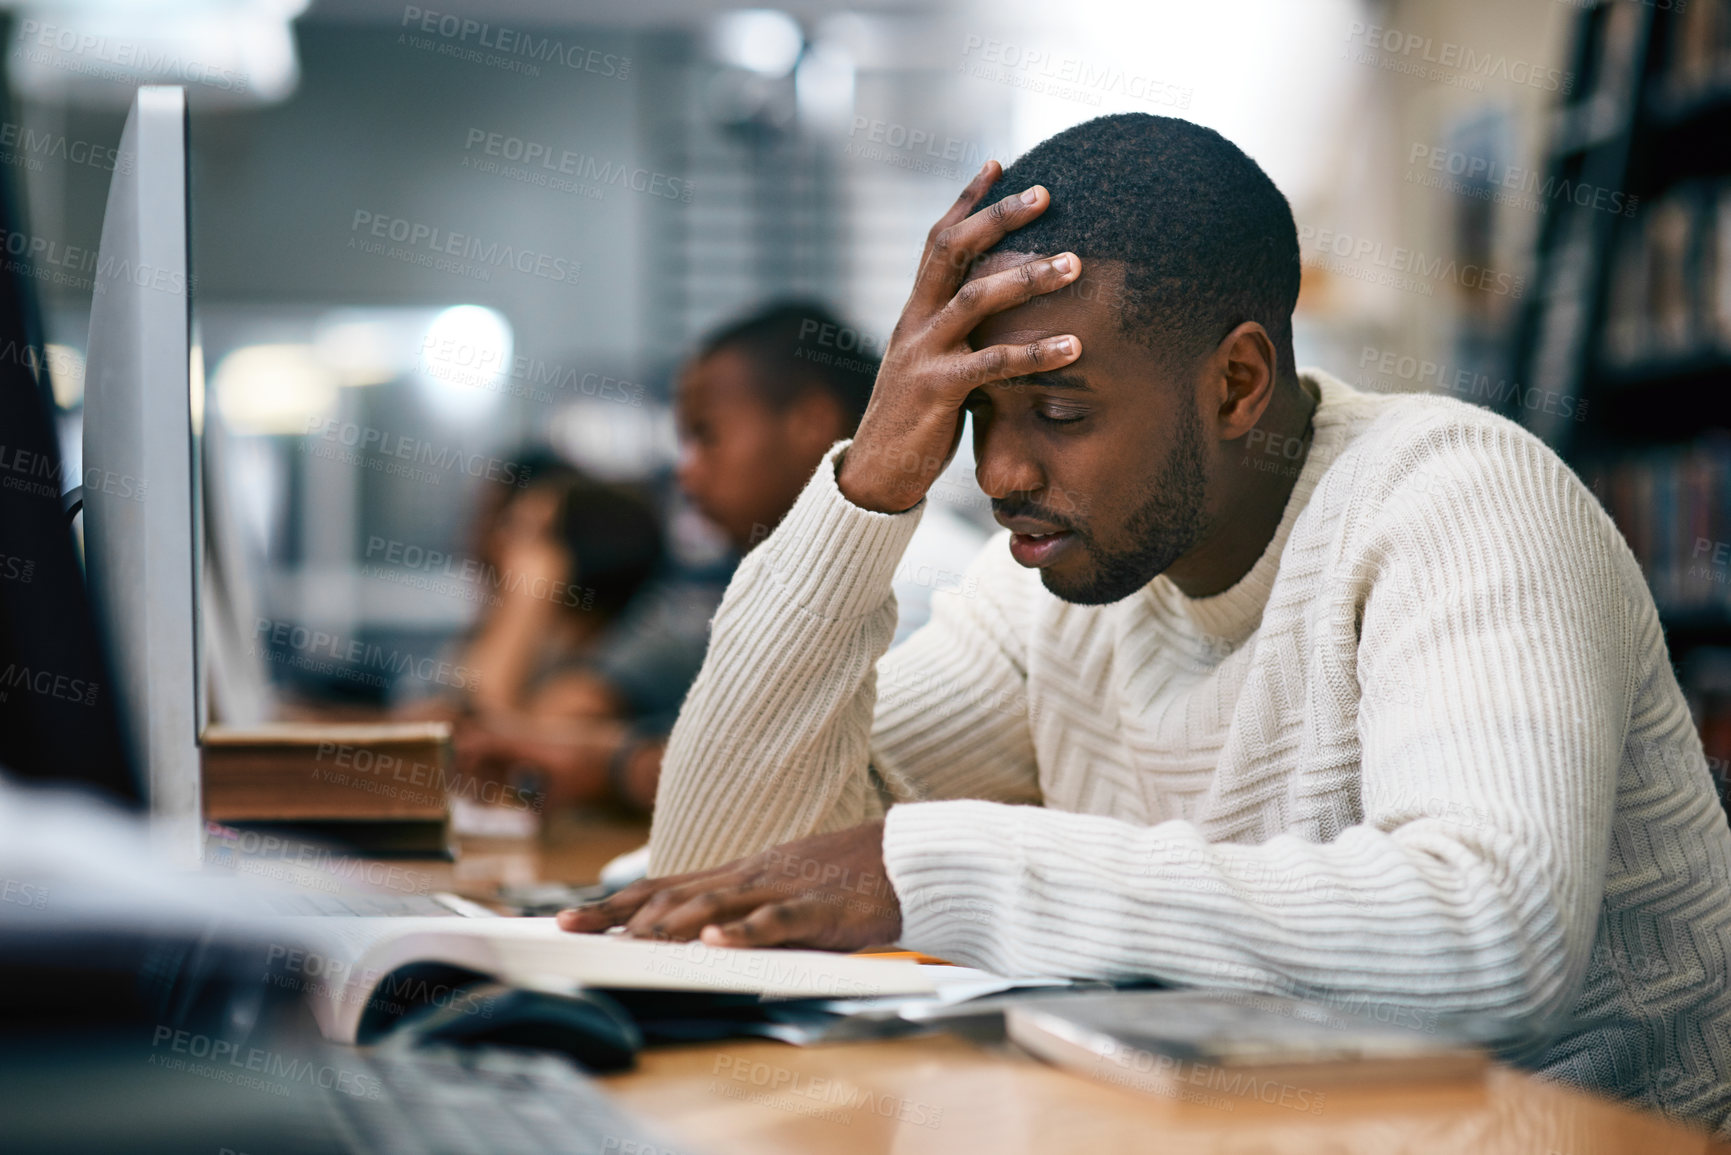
<point>775,739</point>
<point>1492,686</point>
<point>953,711</point>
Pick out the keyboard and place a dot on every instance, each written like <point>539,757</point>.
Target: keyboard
<point>135,1093</point>
<point>441,1100</point>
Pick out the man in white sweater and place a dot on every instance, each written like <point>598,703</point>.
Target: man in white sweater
<point>1278,686</point>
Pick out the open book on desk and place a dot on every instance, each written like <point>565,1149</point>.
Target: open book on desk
<point>361,974</point>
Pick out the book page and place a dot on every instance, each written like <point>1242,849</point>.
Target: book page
<point>353,955</point>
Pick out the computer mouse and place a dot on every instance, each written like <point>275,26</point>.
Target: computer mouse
<point>587,1025</point>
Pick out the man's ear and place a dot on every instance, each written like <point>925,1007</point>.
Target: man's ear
<point>1242,375</point>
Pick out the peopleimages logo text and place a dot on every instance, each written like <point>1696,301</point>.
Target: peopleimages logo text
<point>387,444</point>
<point>109,59</point>
<point>1396,259</point>
<point>32,145</point>
<point>581,165</point>
<point>1446,55</point>
<point>463,246</point>
<point>1489,175</point>
<point>460,30</point>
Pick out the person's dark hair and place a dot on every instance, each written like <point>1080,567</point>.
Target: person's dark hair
<point>536,465</point>
<point>1207,240</point>
<point>801,345</point>
<point>614,537</point>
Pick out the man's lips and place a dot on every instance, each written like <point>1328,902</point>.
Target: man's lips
<point>1028,526</point>
<point>1035,543</point>
<point>1037,552</point>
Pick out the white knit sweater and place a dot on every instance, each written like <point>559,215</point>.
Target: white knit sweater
<point>1428,754</point>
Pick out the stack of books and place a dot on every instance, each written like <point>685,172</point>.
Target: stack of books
<point>379,788</point>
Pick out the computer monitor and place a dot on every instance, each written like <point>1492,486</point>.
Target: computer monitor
<point>58,719</point>
<point>141,473</point>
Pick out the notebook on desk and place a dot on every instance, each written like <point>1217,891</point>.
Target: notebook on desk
<point>1168,1041</point>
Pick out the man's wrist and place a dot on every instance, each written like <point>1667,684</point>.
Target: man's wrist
<point>869,491</point>
<point>833,558</point>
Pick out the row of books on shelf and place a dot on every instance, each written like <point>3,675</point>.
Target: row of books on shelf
<point>1669,296</point>
<point>1699,58</point>
<point>1674,509</point>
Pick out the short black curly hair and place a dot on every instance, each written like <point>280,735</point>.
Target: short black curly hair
<point>1207,241</point>
<point>800,344</point>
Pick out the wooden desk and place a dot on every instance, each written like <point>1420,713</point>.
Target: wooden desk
<point>939,1094</point>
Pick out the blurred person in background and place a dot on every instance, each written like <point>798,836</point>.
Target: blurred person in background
<point>757,406</point>
<point>565,558</point>
<point>556,563</point>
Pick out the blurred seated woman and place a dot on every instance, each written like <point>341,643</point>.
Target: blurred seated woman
<point>567,562</point>
<point>567,556</point>
<point>557,562</point>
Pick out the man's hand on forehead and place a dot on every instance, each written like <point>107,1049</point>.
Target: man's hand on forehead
<point>911,427</point>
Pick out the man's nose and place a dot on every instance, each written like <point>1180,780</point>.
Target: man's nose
<point>1003,466</point>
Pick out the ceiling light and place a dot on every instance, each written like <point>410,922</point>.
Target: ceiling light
<point>760,40</point>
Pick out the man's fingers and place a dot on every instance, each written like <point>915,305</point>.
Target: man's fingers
<point>797,923</point>
<point>607,912</point>
<point>683,917</point>
<point>593,917</point>
<point>619,908</point>
<point>965,202</point>
<point>998,362</point>
<point>649,920</point>
<point>978,299</point>
<point>953,250</point>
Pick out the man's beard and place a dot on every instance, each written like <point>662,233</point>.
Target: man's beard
<point>1167,524</point>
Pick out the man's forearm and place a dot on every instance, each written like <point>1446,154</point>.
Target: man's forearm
<point>1028,890</point>
<point>772,741</point>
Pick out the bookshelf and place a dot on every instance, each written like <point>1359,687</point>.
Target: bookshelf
<point>1632,314</point>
